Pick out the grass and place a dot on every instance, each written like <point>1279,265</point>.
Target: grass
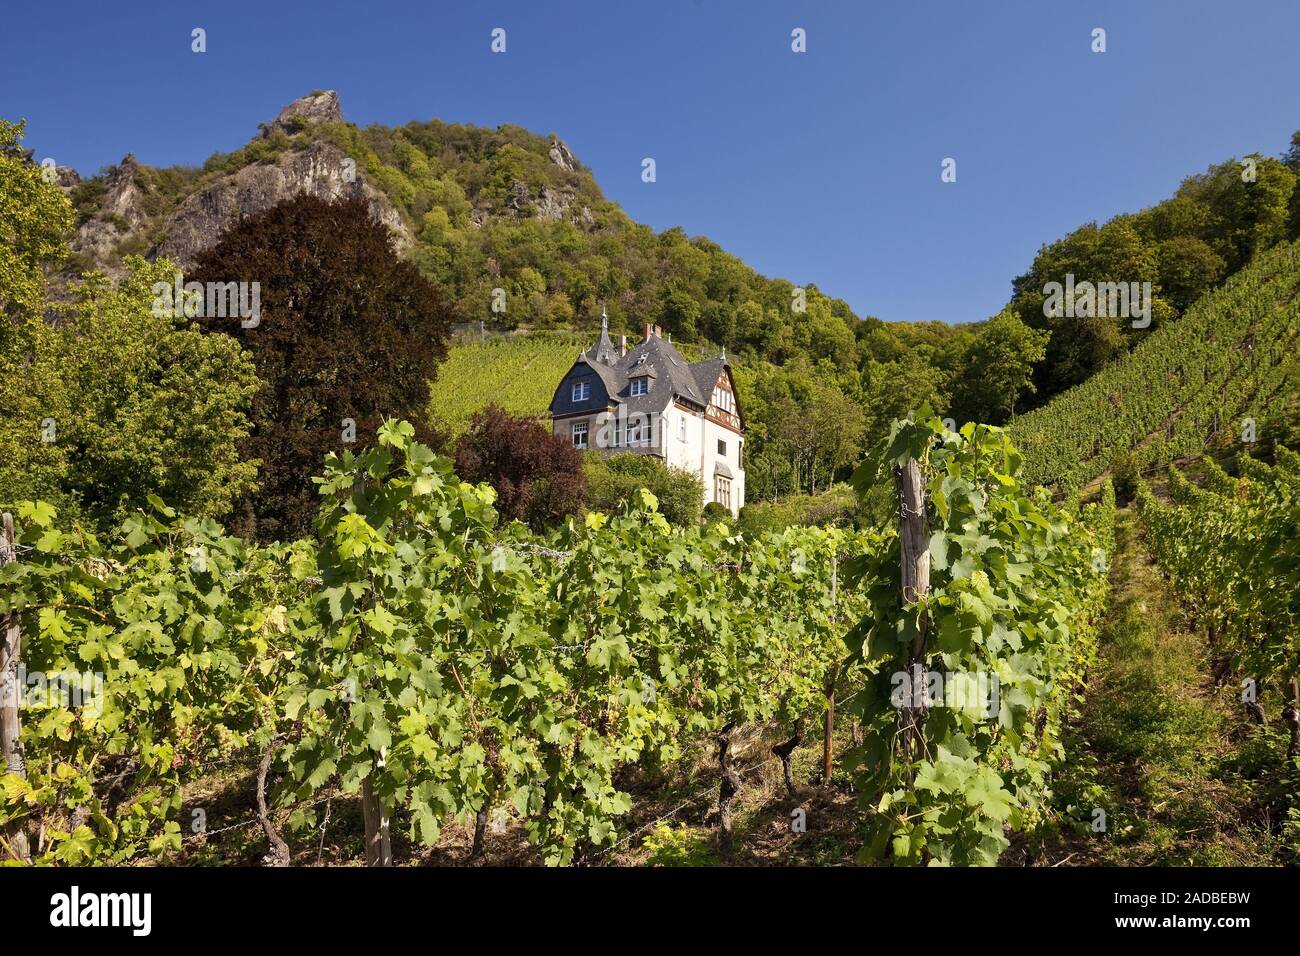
<point>1160,749</point>
<point>520,375</point>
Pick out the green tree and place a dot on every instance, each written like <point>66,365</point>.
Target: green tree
<point>894,389</point>
<point>681,314</point>
<point>1188,269</point>
<point>1081,344</point>
<point>35,219</point>
<point>999,369</point>
<point>1291,159</point>
<point>119,400</point>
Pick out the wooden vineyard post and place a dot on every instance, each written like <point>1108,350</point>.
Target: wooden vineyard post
<point>728,788</point>
<point>379,848</point>
<point>10,692</point>
<point>828,724</point>
<point>828,737</point>
<point>914,540</point>
<point>1292,714</point>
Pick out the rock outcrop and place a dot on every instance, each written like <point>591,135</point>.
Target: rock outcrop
<point>129,217</point>
<point>562,156</point>
<point>321,106</point>
<point>549,203</point>
<point>121,213</point>
<point>321,169</point>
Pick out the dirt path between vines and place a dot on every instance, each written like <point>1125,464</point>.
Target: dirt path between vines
<point>1165,754</point>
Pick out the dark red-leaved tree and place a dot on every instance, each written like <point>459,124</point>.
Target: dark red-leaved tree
<point>347,335</point>
<point>538,476</point>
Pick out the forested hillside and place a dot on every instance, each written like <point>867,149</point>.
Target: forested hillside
<point>1184,246</point>
<point>513,230</point>
<point>476,210</point>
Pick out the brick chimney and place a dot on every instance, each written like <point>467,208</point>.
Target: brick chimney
<point>649,330</point>
<point>622,345</point>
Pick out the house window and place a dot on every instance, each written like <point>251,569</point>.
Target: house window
<point>579,434</point>
<point>722,448</point>
<point>722,494</point>
<point>724,400</point>
<point>639,386</point>
<point>581,391</point>
<point>681,428</point>
<point>634,433</point>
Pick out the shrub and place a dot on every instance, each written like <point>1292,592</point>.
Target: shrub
<point>538,476</point>
<point>611,481</point>
<point>836,506</point>
<point>714,511</point>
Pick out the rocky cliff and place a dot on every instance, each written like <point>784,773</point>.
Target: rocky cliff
<point>321,169</point>
<point>132,209</point>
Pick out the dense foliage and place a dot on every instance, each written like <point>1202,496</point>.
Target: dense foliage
<point>35,219</point>
<point>538,476</point>
<point>115,400</point>
<point>148,654</point>
<point>347,334</point>
<point>837,505</point>
<point>614,479</point>
<point>1232,550</point>
<point>1211,228</point>
<point>413,648</point>
<point>1006,630</point>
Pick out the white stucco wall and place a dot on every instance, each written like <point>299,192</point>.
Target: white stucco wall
<point>713,433</point>
<point>697,453</point>
<point>680,453</point>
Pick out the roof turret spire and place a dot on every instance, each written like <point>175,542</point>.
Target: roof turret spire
<point>605,351</point>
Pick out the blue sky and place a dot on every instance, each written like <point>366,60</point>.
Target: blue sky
<point>821,167</point>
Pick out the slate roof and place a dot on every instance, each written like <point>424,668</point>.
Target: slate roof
<point>669,377</point>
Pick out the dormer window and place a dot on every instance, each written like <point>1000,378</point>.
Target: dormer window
<point>640,386</point>
<point>581,391</point>
<point>724,400</point>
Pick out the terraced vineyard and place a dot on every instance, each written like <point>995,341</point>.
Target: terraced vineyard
<point>1232,551</point>
<point>1232,356</point>
<point>519,374</point>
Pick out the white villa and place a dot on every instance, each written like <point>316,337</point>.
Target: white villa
<point>651,401</point>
